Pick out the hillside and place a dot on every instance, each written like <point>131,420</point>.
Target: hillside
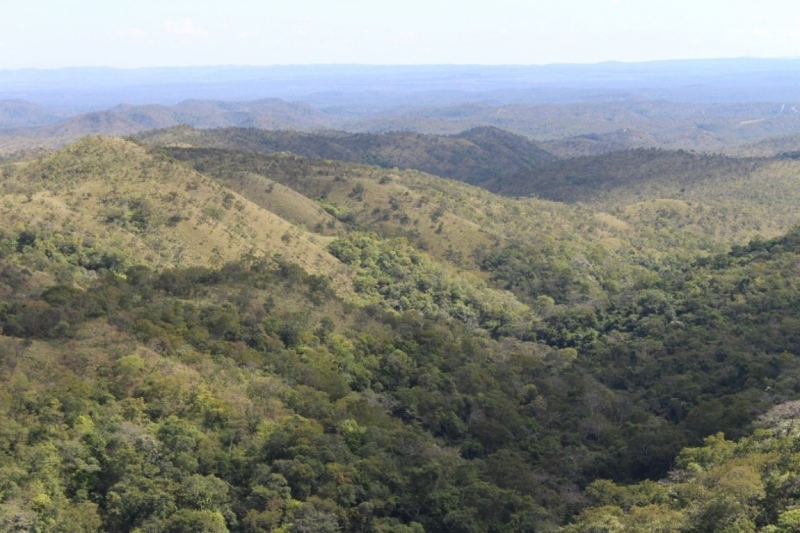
<point>201,338</point>
<point>474,156</point>
<point>745,485</point>
<point>456,222</point>
<point>626,174</point>
<point>730,199</point>
<point>713,198</point>
<point>599,143</point>
<point>147,209</point>
<point>64,132</point>
<point>216,363</point>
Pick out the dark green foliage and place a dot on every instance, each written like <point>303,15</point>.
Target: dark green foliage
<point>621,173</point>
<point>480,155</point>
<point>537,271</point>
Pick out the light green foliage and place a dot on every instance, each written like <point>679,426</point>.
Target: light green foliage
<point>721,486</point>
<point>393,274</point>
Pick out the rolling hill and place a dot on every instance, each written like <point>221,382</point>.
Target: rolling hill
<point>626,174</point>
<point>574,129</point>
<point>270,113</point>
<point>644,187</point>
<point>213,333</point>
<point>127,120</point>
<point>598,144</point>
<point>474,156</point>
<point>131,201</point>
<point>660,123</point>
<point>723,197</point>
<point>781,146</point>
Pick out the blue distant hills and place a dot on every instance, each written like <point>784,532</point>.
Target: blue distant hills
<point>375,86</point>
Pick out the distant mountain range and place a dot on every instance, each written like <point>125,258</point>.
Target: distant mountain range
<point>127,120</point>
<point>568,130</point>
<point>382,87</point>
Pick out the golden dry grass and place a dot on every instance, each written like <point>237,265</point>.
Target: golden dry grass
<point>191,219</point>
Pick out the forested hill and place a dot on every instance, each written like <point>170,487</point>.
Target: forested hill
<point>722,197</point>
<point>476,156</point>
<point>624,173</point>
<point>213,340</point>
<point>512,165</point>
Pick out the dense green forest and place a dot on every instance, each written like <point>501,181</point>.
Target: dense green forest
<point>196,338</point>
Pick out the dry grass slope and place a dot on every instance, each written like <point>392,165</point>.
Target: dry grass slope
<point>127,197</point>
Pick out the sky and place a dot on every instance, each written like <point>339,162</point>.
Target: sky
<point>152,33</point>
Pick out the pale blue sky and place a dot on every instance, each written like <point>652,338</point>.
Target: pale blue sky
<point>126,33</point>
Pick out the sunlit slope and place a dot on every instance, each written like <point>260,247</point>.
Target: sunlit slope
<point>456,223</point>
<point>149,208</point>
<point>724,199</point>
<point>346,197</point>
<point>433,212</point>
<point>639,227</point>
<point>282,200</point>
<point>673,198</point>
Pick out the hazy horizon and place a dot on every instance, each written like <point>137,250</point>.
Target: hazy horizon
<point>415,65</point>
<point>93,88</point>
<point>150,33</point>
